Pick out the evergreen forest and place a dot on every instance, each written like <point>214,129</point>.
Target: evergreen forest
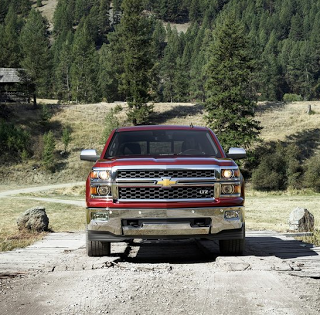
<point>230,54</point>
<point>88,53</point>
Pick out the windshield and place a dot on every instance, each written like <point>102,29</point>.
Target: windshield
<point>162,142</point>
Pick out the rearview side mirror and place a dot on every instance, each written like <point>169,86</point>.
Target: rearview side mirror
<point>89,155</point>
<point>237,153</point>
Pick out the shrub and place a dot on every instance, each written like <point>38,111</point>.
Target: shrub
<point>265,179</point>
<point>292,98</point>
<point>45,114</point>
<point>311,178</point>
<point>278,168</point>
<point>14,141</point>
<point>48,151</point>
<point>111,122</point>
<point>66,137</point>
<point>5,112</point>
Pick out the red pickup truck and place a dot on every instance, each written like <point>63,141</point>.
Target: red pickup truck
<point>156,182</point>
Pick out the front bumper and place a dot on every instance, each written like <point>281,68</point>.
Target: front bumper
<point>109,224</point>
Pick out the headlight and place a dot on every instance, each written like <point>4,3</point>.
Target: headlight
<point>228,173</point>
<point>104,175</point>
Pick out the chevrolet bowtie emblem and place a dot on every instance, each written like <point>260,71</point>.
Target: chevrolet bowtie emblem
<point>166,182</point>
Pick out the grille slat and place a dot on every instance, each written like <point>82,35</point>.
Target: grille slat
<point>155,193</point>
<point>165,173</point>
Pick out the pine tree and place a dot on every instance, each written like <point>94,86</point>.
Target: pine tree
<point>269,79</point>
<point>3,10</point>
<point>36,54</point>
<point>10,49</point>
<point>63,16</point>
<point>296,29</point>
<point>181,81</point>
<point>109,67</point>
<point>103,20</point>
<point>24,6</point>
<point>199,61</point>
<point>63,62</point>
<point>194,11</point>
<point>230,104</point>
<point>169,64</point>
<point>158,39</point>
<point>84,69</point>
<point>82,9</point>
<point>135,37</point>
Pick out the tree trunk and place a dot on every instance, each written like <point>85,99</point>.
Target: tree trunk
<point>35,105</point>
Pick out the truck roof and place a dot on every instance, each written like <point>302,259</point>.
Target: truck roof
<point>160,127</point>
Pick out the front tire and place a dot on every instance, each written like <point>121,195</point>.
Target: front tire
<point>234,246</point>
<point>98,248</point>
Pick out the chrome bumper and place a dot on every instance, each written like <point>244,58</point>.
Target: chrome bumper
<point>131,223</point>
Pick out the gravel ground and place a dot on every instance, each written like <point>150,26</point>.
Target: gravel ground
<point>172,277</point>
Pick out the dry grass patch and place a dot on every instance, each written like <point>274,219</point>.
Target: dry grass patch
<point>271,212</point>
<point>20,239</point>
<point>281,120</point>
<point>62,218</point>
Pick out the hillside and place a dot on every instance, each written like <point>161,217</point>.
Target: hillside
<point>288,121</point>
<point>48,8</point>
<point>280,36</point>
<point>279,121</point>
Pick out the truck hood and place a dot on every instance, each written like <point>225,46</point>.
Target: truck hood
<point>165,161</point>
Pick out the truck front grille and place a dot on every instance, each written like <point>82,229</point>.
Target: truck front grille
<point>157,193</point>
<point>165,173</point>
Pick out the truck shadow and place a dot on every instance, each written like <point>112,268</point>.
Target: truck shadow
<point>183,251</point>
<point>191,251</point>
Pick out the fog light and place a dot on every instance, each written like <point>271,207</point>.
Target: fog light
<point>103,190</point>
<point>232,214</point>
<point>100,216</point>
<point>227,189</point>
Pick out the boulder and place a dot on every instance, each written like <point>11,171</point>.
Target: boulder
<point>34,219</point>
<point>301,220</point>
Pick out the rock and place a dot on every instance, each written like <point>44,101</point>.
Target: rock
<point>309,110</point>
<point>301,220</point>
<point>34,219</point>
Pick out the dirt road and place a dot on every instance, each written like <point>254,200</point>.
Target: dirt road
<point>277,275</point>
<point>28,190</point>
